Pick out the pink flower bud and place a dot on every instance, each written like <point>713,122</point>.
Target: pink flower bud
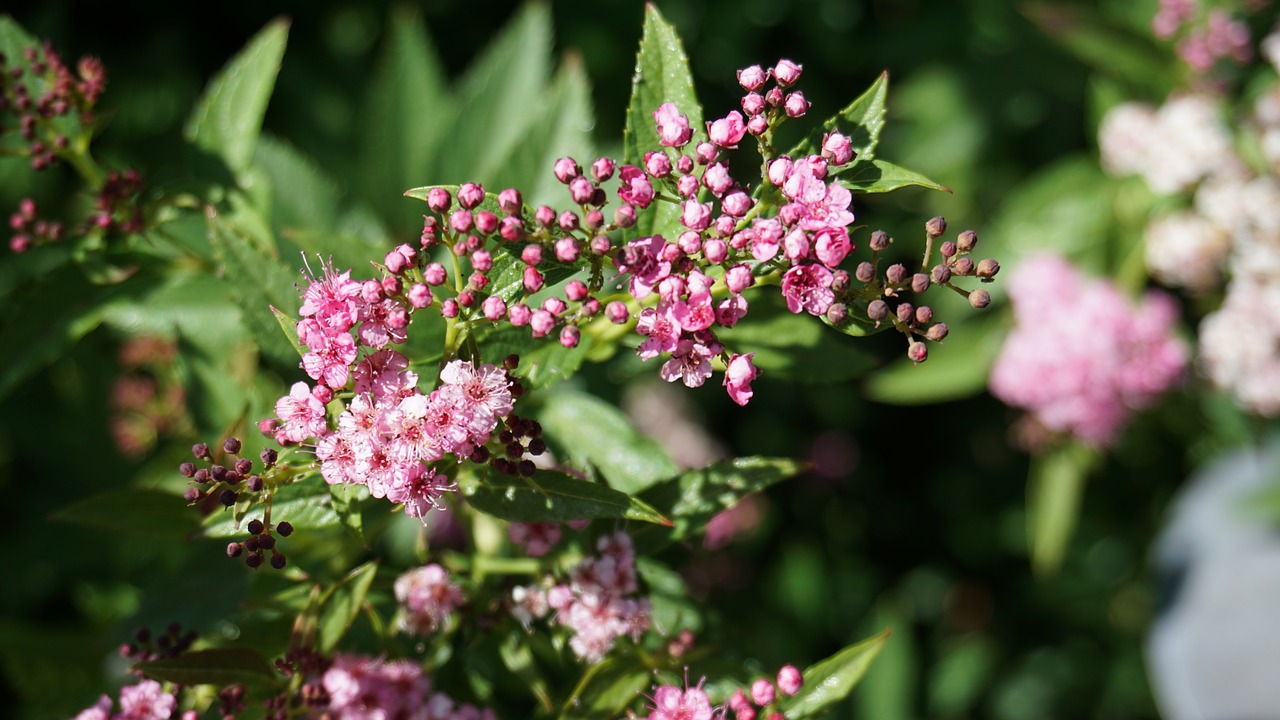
<point>461,221</point>
<point>717,179</point>
<point>576,290</point>
<point>602,169</point>
<point>486,222</point>
<point>706,153</point>
<point>519,315</point>
<point>395,262</point>
<point>554,305</point>
<point>601,245</point>
<point>753,104</point>
<point>789,680</point>
<point>568,221</point>
<point>434,274</point>
<point>673,128</point>
<point>737,203</point>
<point>544,216</point>
<point>567,249</point>
<point>780,170</point>
<point>715,250</point>
<point>531,255</point>
<point>449,308</point>
<point>752,78</point>
<point>494,308</point>
<point>757,124</point>
<point>795,104</point>
<point>477,281</point>
<point>581,190</point>
<point>837,148</point>
<point>569,336</point>
<point>625,216</point>
<point>726,132</point>
<point>671,253</point>
<point>510,201</point>
<point>634,187</point>
<point>918,352</point>
<point>762,692</point>
<point>684,164</point>
<point>532,279</point>
<point>657,164</point>
<point>594,220</point>
<point>773,98</point>
<point>542,323</point>
<point>690,242</point>
<point>590,307</point>
<point>420,296</point>
<point>482,260</point>
<point>738,278</point>
<point>322,393</point>
<point>617,312</point>
<point>470,195</point>
<point>511,228</point>
<point>566,169</point>
<point>439,200</point>
<point>786,72</point>
<point>696,215</point>
<point>467,298</point>
<point>796,245</point>
<point>391,285</point>
<point>738,376</point>
<point>371,291</point>
<point>687,186</point>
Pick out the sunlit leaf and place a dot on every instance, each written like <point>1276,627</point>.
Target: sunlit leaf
<point>341,604</point>
<point>593,432</point>
<point>220,667</point>
<point>861,121</point>
<point>878,176</point>
<point>831,680</point>
<point>551,496</point>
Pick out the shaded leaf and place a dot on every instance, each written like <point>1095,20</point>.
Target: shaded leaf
<point>518,658</point>
<point>593,432</point>
<point>303,196</point>
<point>305,503</point>
<point>341,604</point>
<point>228,116</point>
<point>133,510</point>
<point>552,496</point>
<point>1055,488</point>
<point>693,497</point>
<point>878,176</point>
<point>831,680</point>
<point>216,666</point>
<point>543,361</point>
<point>861,121</point>
<point>661,76</point>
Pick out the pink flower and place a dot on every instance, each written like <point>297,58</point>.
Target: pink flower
<point>789,680</point>
<point>738,376</point>
<point>1081,358</point>
<point>100,710</point>
<point>787,72</point>
<point>427,598</point>
<point>634,187</point>
<point>146,701</point>
<point>752,78</point>
<point>537,538</point>
<point>672,703</point>
<point>661,329</point>
<point>832,245</point>
<point>736,204</point>
<point>696,215</point>
<point>731,310</point>
<point>695,314</point>
<point>673,128</point>
<point>301,415</point>
<point>690,363</point>
<point>642,258</point>
<point>837,148</point>
<point>808,287</point>
<point>728,131</point>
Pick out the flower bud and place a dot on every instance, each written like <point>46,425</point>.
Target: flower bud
<point>837,313</point>
<point>963,267</point>
<point>753,104</point>
<point>896,273</point>
<point>569,336</point>
<point>533,279</point>
<point>924,315</point>
<point>519,314</point>
<point>877,310</point>
<point>757,124</point>
<point>568,221</point>
<point>544,216</point>
<point>566,169</point>
<point>987,268</point>
<point>840,281</point>
<point>979,299</point>
<point>752,78</point>
<point>967,241</point>
<point>511,228</point>
<point>918,352</point>
<point>602,169</point>
<point>625,216</point>
<point>905,312</point>
<point>790,680</point>
<point>567,249</point>
<point>439,200</point>
<point>762,692</point>
<point>786,72</point>
<point>919,282</point>
<point>486,222</point>
<point>470,195</point>
<point>684,164</point>
<point>510,201</point>
<point>234,549</point>
<point>941,274</point>
<point>936,332</point>
<point>865,272</point>
<point>449,308</point>
<point>935,227</point>
<point>879,241</point>
<point>617,312</point>
<point>795,105</point>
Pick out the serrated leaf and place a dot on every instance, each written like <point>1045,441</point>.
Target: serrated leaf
<point>795,347</point>
<point>831,680</point>
<point>957,368</point>
<point>401,124</point>
<point>861,121</point>
<point>259,283</point>
<point>661,76</point>
<point>499,98</point>
<point>1055,488</point>
<point>303,196</point>
<point>693,497</point>
<point>228,116</point>
<point>593,432</point>
<point>341,604</point>
<point>220,667</point>
<point>552,496</point>
<point>305,503</point>
<point>132,510</point>
<point>878,176</point>
<point>288,326</point>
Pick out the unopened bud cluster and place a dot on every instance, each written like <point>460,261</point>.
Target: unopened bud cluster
<point>37,90</point>
<point>146,646</point>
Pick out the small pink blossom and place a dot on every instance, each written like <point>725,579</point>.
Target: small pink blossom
<point>728,131</point>
<point>752,78</point>
<point>146,701</point>
<point>738,376</point>
<point>427,597</point>
<point>634,187</point>
<point>673,128</point>
<point>789,680</point>
<point>690,363</point>
<point>787,72</point>
<point>301,415</point>
<point>696,215</point>
<point>643,260</point>
<point>672,703</point>
<point>837,148</point>
<point>808,287</point>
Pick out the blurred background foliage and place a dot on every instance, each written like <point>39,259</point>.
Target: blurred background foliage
<point>914,515</point>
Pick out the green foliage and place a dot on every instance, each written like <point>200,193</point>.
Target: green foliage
<point>594,434</point>
<point>555,497</point>
<point>831,680</point>
<point>215,666</point>
<point>1055,486</point>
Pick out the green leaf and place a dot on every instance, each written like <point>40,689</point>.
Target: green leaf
<point>341,604</point>
<point>543,361</point>
<point>1055,488</point>
<point>303,196</point>
<point>793,346</point>
<point>552,496</point>
<point>693,497</point>
<point>611,687</point>
<point>14,39</point>
<point>305,503</point>
<point>401,118</point>
<point>259,283</point>
<point>193,303</point>
<point>288,326</point>
<point>661,76</point>
<point>518,658</point>
<point>831,680</point>
<point>19,269</point>
<point>500,98</point>
<point>878,176</point>
<point>593,432</point>
<point>216,666</point>
<point>1135,59</point>
<point>133,510</point>
<point>861,122</point>
<point>957,368</point>
<point>228,116</point>
<point>672,609</point>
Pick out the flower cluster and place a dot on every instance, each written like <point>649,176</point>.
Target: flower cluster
<point>1203,37</point>
<point>427,598</point>
<point>671,702</point>
<point>597,604</point>
<point>1080,358</point>
<point>361,687</point>
<point>40,90</point>
<point>145,701</point>
<point>148,400</point>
